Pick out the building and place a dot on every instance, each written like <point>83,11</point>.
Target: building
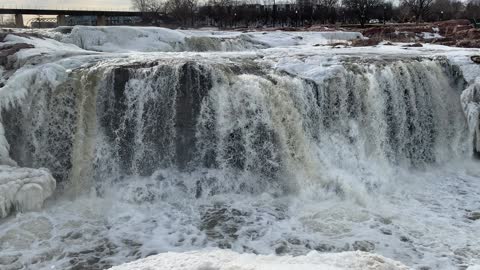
<point>92,20</point>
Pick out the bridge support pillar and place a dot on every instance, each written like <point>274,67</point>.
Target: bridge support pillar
<point>61,20</point>
<point>19,20</point>
<point>101,20</point>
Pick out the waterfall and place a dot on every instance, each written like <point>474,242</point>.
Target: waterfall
<point>257,129</point>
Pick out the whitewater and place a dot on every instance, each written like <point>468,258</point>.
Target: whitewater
<point>206,149</point>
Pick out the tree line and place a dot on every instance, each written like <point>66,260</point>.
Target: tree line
<point>251,13</point>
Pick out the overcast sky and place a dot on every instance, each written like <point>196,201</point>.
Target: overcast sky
<point>68,4</point>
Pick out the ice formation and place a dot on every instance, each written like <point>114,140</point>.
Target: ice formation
<point>151,39</point>
<point>471,106</point>
<point>227,260</point>
<point>24,189</point>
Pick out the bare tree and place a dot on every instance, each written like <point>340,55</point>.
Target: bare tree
<point>419,8</point>
<point>152,9</point>
<point>445,10</point>
<point>472,10</point>
<point>149,5</point>
<point>329,10</point>
<point>363,8</point>
<point>329,3</point>
<point>182,10</point>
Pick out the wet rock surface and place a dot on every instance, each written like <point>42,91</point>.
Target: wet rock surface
<point>473,216</point>
<point>386,231</point>
<point>476,59</point>
<point>365,42</point>
<point>414,45</point>
<point>363,245</point>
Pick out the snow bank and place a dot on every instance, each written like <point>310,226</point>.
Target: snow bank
<point>225,259</point>
<point>24,189</point>
<point>429,35</point>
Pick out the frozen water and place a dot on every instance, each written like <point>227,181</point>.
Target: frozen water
<point>471,105</point>
<point>23,189</point>
<point>151,39</point>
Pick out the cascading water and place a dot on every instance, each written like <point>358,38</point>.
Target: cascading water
<point>135,120</point>
<point>170,153</point>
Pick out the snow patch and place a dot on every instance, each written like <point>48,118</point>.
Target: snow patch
<point>24,189</point>
<point>428,35</point>
<point>225,259</point>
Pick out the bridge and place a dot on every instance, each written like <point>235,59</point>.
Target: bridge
<point>61,20</point>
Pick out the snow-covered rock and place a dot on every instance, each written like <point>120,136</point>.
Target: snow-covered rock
<point>24,189</point>
<point>226,259</point>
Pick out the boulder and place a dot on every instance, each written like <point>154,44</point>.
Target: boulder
<point>414,45</point>
<point>474,216</point>
<point>365,42</point>
<point>476,59</point>
<point>366,246</point>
